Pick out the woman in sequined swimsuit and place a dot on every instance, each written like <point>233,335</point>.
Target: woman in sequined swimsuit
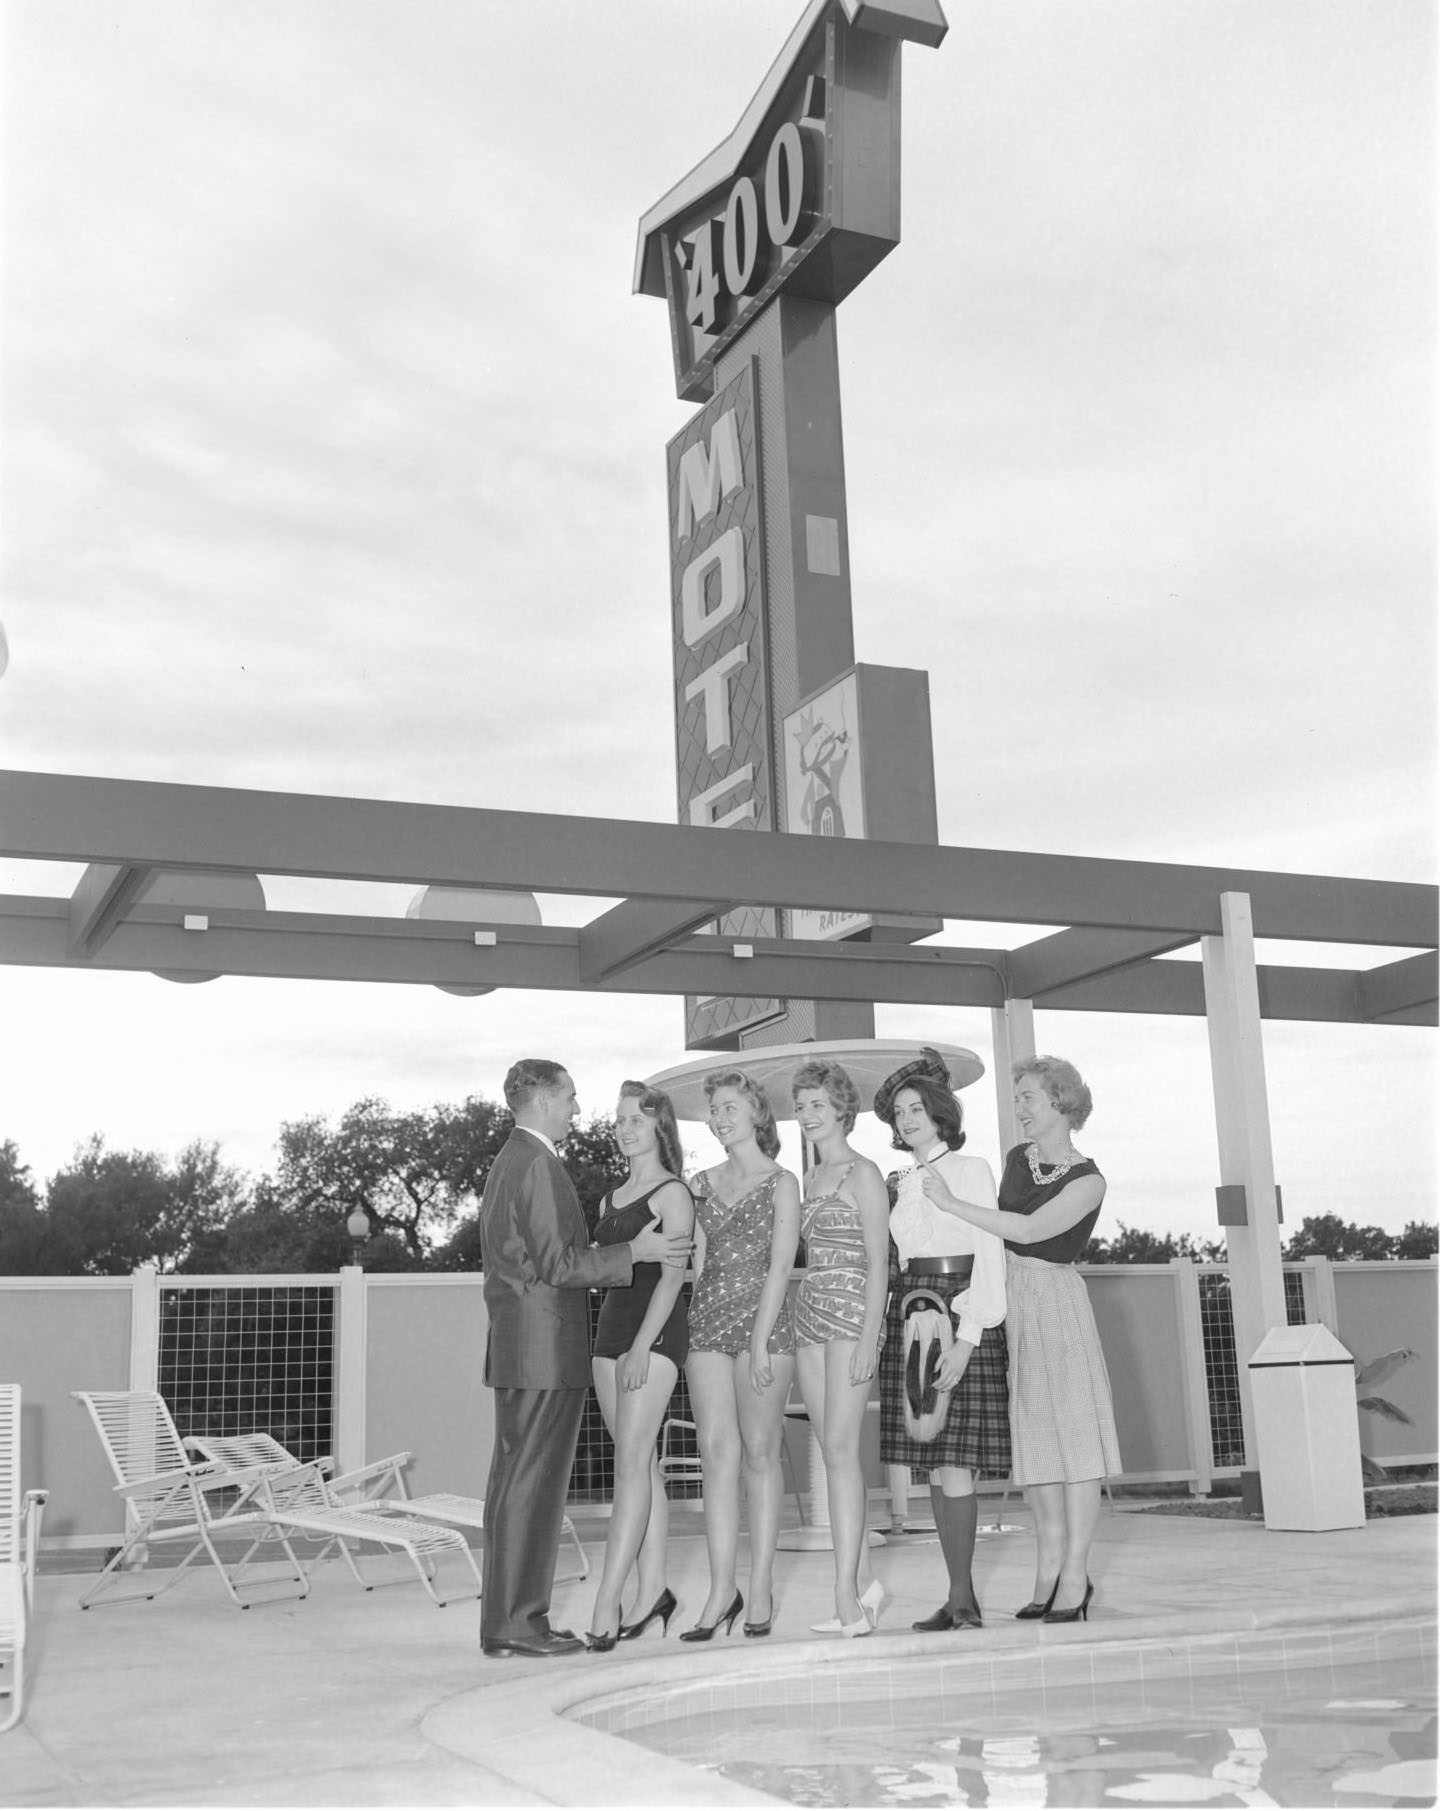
<point>1061,1415</point>
<point>747,1229</point>
<point>839,1320</point>
<point>639,1348</point>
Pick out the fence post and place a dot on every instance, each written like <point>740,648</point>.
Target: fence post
<point>144,1365</point>
<point>1326,1310</point>
<point>350,1371</point>
<point>145,1328</point>
<point>1192,1372</point>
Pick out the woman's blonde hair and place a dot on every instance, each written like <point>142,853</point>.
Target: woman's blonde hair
<point>1062,1082</point>
<point>767,1133</point>
<point>839,1089</point>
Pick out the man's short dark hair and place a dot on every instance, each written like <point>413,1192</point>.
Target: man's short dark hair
<point>532,1075</point>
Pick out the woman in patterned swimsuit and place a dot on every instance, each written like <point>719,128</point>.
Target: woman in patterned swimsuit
<point>839,1320</point>
<point>747,1229</point>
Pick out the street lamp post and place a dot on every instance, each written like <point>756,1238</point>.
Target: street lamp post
<point>357,1224</point>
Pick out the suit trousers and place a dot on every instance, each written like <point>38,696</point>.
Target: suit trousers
<point>535,1436</point>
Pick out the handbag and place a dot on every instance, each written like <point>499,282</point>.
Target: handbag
<point>928,1337</point>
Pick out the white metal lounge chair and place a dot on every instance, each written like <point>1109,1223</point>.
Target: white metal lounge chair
<point>170,1498</point>
<point>20,1515</point>
<point>378,1486</point>
<point>302,1497</point>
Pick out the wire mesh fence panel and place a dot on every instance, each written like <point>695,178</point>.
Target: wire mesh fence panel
<point>251,1359</point>
<point>1222,1370</point>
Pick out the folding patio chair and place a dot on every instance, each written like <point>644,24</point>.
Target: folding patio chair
<point>20,1515</point>
<point>300,1496</point>
<point>170,1498</point>
<point>378,1486</point>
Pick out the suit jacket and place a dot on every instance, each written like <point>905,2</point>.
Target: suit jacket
<point>538,1263</point>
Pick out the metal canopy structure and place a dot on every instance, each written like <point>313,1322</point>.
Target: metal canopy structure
<point>1122,919</point>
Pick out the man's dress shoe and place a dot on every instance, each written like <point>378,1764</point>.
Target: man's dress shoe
<point>533,1647</point>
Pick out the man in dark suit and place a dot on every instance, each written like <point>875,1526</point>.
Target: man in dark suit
<point>538,1262</point>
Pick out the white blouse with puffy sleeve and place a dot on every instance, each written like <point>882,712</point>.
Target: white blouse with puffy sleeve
<point>922,1230</point>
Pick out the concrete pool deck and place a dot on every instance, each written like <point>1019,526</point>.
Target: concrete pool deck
<point>351,1698</point>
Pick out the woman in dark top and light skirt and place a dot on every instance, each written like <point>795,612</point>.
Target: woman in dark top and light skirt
<point>640,1345</point>
<point>1062,1423</point>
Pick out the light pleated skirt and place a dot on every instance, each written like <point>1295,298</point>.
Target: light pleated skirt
<point>1062,1422</point>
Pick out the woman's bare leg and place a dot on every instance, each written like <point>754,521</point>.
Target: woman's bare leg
<point>761,1416</point>
<point>711,1376</point>
<point>839,1434</point>
<point>633,1417</point>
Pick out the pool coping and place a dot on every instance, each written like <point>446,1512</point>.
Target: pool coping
<point>530,1734</point>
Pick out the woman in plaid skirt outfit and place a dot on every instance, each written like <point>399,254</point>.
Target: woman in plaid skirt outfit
<point>965,1270</point>
<point>1061,1415</point>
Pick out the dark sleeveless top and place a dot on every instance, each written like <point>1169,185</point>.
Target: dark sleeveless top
<point>1019,1193</point>
<point>625,1306</point>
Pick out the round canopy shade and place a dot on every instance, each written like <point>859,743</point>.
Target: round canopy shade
<point>869,1062</point>
<point>472,905</point>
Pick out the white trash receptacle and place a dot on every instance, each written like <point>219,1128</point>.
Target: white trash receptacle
<point>1307,1426</point>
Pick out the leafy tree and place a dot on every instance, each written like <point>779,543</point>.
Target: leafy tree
<point>1418,1240</point>
<point>1328,1236</point>
<point>1133,1245</point>
<point>16,1188</point>
<point>270,1237</point>
<point>22,1224</point>
<point>108,1212</point>
<point>407,1171</point>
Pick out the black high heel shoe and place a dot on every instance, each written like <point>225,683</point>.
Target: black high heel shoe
<point>1034,1611</point>
<point>600,1644</point>
<point>703,1631</point>
<point>1081,1611</point>
<point>756,1629</point>
<point>663,1607</point>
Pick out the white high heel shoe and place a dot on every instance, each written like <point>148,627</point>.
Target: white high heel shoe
<point>872,1599</point>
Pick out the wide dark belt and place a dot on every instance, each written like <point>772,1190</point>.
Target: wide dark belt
<point>954,1265</point>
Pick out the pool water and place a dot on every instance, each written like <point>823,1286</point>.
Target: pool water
<point>1342,1732</point>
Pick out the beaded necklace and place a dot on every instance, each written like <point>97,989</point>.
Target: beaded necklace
<point>1056,1170</point>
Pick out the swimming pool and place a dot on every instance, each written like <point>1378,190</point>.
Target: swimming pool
<point>1299,1716</point>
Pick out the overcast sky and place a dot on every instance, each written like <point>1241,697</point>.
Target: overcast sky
<point>334,461</point>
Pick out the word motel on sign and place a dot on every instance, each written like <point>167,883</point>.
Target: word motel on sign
<point>712,592</point>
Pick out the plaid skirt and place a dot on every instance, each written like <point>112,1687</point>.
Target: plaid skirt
<point>976,1433</point>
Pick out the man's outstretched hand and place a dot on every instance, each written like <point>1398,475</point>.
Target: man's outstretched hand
<point>655,1246</point>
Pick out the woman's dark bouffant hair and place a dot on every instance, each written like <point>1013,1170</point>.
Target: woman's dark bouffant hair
<point>767,1133</point>
<point>657,1105</point>
<point>939,1103</point>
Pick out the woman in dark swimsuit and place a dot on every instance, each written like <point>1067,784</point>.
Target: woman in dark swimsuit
<point>640,1346</point>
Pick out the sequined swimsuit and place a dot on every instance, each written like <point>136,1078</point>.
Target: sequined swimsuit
<point>737,1261</point>
<point>831,1301</point>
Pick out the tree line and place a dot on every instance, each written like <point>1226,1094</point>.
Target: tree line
<point>418,1176</point>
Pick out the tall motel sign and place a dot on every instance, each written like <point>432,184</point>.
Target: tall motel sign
<point>778,730</point>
